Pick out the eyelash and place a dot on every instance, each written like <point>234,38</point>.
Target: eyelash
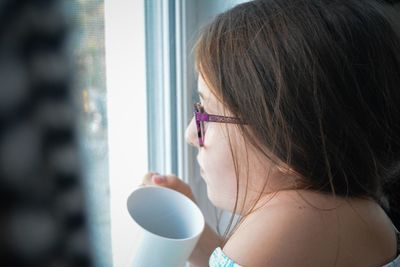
<point>203,104</point>
<point>204,108</point>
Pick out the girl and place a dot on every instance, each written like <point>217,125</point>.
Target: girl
<point>298,131</point>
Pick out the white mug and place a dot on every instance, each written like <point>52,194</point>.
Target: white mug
<point>170,226</point>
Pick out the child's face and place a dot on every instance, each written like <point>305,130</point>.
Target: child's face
<point>216,162</point>
<point>214,158</point>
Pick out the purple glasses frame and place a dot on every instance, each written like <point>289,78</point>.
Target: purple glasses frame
<point>201,116</point>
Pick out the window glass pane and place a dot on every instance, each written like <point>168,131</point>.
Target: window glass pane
<point>89,59</point>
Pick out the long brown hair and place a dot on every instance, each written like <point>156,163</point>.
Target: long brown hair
<point>318,82</point>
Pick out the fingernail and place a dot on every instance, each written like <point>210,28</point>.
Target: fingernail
<point>158,179</point>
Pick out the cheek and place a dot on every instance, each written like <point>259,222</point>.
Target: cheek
<point>219,171</point>
<point>216,156</point>
<point>218,167</point>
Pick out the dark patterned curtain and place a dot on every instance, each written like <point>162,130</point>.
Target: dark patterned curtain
<point>43,219</point>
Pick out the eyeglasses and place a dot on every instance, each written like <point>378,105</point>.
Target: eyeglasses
<point>202,117</point>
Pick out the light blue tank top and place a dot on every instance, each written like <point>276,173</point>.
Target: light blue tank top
<point>395,262</point>
<point>219,259</point>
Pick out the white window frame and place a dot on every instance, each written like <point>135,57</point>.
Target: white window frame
<point>127,120</point>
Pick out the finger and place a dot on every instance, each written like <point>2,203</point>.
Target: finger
<point>173,182</point>
<point>170,181</point>
<point>147,178</point>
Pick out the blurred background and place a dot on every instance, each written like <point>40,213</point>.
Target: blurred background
<point>93,94</point>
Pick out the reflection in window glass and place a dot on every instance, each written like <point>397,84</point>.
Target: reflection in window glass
<point>89,58</point>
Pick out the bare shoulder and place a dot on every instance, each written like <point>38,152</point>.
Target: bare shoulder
<point>310,229</point>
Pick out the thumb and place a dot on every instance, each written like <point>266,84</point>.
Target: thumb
<point>159,179</point>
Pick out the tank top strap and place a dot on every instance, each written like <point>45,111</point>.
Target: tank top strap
<point>397,239</point>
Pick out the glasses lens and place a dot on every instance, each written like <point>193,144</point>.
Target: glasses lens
<point>198,110</point>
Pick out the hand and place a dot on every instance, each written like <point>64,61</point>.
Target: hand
<point>169,181</point>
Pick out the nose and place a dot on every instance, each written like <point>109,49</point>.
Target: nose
<point>191,134</point>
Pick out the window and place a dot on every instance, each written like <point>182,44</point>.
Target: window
<point>138,85</point>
